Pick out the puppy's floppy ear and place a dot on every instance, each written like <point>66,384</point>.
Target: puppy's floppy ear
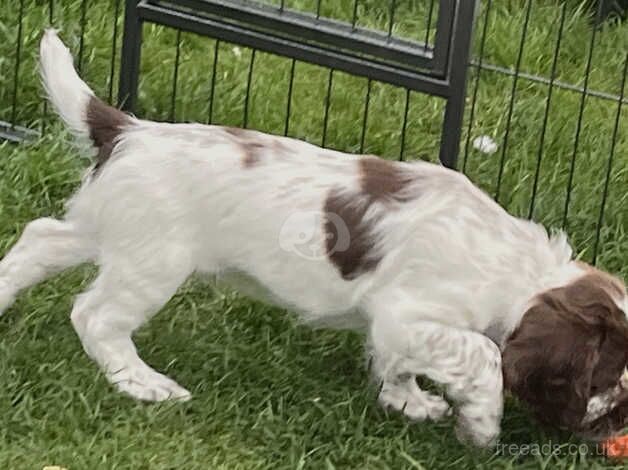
<point>569,346</point>
<point>548,362</point>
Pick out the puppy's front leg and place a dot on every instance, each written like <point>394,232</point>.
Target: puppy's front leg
<point>466,362</point>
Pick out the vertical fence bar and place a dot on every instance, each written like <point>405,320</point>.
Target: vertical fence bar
<point>583,100</point>
<point>513,94</point>
<point>210,112</point>
<point>445,26</point>
<point>391,14</point>
<point>318,9</point>
<point>245,119</point>
<point>609,165</point>
<point>327,103</point>
<point>354,19</point>
<point>82,36</point>
<point>461,32</point>
<point>548,103</point>
<point>365,115</point>
<point>404,125</point>
<point>114,48</point>
<point>430,14</point>
<point>45,107</point>
<point>289,102</point>
<point>476,85</point>
<point>175,79</point>
<point>50,12</point>
<point>130,60</point>
<point>282,5</point>
<point>18,60</point>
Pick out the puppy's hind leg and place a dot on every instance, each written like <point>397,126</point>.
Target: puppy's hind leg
<point>46,246</point>
<point>129,290</point>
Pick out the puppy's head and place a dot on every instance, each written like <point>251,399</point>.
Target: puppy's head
<point>567,358</point>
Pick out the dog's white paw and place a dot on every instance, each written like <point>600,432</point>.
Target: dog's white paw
<point>148,385</point>
<point>479,429</point>
<point>413,402</point>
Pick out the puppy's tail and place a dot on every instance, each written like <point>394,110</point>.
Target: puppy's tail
<point>85,114</point>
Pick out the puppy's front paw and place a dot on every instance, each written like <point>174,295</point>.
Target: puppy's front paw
<point>429,406</point>
<point>7,295</point>
<point>413,402</point>
<point>148,385</point>
<point>481,430</point>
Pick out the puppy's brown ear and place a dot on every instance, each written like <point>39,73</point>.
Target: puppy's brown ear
<point>591,300</point>
<point>548,363</point>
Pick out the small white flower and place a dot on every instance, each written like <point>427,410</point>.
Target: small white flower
<point>237,52</point>
<point>485,144</point>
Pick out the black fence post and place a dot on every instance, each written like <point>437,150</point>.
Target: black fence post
<point>130,61</point>
<point>461,33</point>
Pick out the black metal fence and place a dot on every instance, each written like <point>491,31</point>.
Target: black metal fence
<point>543,126</point>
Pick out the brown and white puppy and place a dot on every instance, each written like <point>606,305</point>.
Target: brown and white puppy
<point>447,284</point>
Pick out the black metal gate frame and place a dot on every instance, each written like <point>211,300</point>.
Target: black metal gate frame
<point>439,70</point>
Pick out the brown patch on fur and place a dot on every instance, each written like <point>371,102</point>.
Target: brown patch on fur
<point>253,144</point>
<point>252,153</point>
<point>571,345</point>
<point>105,125</point>
<point>345,219</point>
<point>384,180</point>
<point>381,181</point>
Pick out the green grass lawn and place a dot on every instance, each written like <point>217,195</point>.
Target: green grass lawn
<point>267,392</point>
